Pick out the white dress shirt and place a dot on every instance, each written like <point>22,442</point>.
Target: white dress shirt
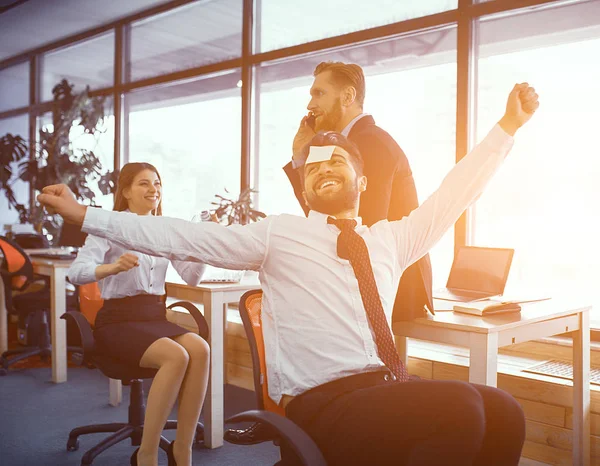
<point>147,278</point>
<point>314,323</point>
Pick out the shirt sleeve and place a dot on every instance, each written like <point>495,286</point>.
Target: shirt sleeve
<point>90,256</point>
<point>416,234</point>
<point>237,247</point>
<point>191,272</point>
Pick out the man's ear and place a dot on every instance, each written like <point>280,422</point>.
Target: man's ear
<point>362,184</point>
<point>304,197</point>
<point>348,96</point>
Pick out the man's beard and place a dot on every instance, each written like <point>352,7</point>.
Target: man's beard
<point>330,120</point>
<point>345,199</point>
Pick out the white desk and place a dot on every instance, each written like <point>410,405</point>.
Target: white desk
<point>57,271</point>
<point>215,298</point>
<point>483,336</point>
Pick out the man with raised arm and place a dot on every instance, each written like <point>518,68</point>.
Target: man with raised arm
<point>329,284</point>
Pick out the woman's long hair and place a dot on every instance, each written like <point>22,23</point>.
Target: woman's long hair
<point>128,172</point>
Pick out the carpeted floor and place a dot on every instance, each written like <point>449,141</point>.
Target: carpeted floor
<point>37,415</point>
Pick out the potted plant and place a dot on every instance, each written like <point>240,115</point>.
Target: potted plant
<point>230,211</point>
<point>56,159</point>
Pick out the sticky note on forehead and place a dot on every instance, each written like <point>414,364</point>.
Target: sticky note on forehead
<point>323,153</point>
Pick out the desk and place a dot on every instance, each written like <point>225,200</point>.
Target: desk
<point>483,336</point>
<point>57,271</point>
<point>215,297</point>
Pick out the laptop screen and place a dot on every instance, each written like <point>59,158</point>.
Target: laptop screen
<point>483,270</point>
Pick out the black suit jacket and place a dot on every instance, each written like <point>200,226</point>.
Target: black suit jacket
<point>391,194</point>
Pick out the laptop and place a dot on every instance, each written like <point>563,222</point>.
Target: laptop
<point>477,273</point>
<point>218,275</point>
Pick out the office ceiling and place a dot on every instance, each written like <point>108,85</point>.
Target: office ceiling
<point>28,24</point>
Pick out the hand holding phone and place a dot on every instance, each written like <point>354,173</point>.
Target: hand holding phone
<point>305,133</point>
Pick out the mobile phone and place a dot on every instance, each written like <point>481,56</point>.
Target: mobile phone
<point>310,121</point>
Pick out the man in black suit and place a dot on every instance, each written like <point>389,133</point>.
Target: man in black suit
<point>336,104</point>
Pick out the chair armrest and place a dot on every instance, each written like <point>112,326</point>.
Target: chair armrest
<point>196,314</point>
<point>85,331</point>
<point>298,440</point>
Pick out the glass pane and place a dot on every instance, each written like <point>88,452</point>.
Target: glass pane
<point>191,133</point>
<point>402,75</point>
<point>283,24</point>
<point>17,126</point>
<point>190,36</point>
<point>88,63</point>
<point>101,143</point>
<point>543,202</point>
<point>14,87</point>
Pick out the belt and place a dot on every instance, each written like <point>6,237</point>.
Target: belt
<point>302,408</point>
<point>140,300</point>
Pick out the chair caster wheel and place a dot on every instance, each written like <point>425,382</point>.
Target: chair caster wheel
<point>73,444</point>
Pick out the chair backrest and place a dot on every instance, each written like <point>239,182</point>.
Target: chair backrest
<point>250,311</point>
<point>90,301</point>
<point>16,267</point>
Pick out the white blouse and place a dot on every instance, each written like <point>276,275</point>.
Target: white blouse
<point>147,278</point>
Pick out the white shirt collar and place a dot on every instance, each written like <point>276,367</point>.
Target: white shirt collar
<point>349,126</point>
<point>320,216</point>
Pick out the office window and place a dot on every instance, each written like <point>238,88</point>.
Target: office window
<point>101,144</point>
<point>544,201</point>
<point>14,86</point>
<point>193,35</point>
<point>87,63</point>
<point>411,93</point>
<point>191,133</point>
<point>283,24</point>
<point>17,126</point>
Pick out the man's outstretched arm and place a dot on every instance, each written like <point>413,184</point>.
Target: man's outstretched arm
<point>425,226</point>
<point>235,247</point>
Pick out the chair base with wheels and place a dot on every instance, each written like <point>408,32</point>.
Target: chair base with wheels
<point>129,375</point>
<point>132,429</point>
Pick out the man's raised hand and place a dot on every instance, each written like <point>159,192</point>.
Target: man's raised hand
<point>303,136</point>
<point>521,105</point>
<point>59,199</point>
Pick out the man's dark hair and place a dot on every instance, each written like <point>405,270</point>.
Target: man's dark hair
<point>345,74</point>
<point>332,138</point>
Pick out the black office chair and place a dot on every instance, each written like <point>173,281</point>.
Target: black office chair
<point>32,308</point>
<point>129,375</point>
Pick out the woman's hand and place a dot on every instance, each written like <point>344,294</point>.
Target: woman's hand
<point>126,262</point>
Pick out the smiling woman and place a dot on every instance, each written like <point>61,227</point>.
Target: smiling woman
<point>139,189</point>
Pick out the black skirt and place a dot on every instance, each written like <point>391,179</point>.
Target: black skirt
<point>126,327</point>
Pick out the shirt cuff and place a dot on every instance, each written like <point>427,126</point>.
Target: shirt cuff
<point>499,136</point>
<point>88,274</point>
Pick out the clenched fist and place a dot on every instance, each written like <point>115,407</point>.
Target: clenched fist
<point>59,199</point>
<point>521,105</point>
<point>126,262</point>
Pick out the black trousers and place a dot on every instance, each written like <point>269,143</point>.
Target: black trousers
<point>369,419</point>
